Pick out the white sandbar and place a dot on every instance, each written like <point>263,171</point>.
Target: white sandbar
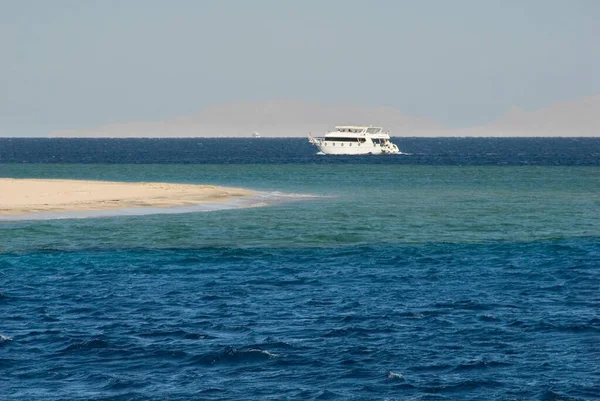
<point>32,196</point>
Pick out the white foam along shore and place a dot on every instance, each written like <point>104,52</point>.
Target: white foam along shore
<point>36,197</point>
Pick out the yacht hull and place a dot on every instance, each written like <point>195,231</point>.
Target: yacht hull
<point>347,149</point>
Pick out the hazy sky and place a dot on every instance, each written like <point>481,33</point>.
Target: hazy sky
<point>76,63</point>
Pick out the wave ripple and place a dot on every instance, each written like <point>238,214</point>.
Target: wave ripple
<point>424,321</point>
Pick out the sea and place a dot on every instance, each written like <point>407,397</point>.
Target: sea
<point>462,269</point>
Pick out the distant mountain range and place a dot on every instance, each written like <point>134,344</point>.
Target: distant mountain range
<point>288,118</point>
<point>573,118</point>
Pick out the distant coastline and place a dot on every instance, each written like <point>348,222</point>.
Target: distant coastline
<point>506,135</point>
<point>294,119</point>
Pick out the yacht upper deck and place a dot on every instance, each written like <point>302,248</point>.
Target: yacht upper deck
<point>357,131</point>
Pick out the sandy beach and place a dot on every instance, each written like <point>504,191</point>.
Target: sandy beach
<point>25,196</point>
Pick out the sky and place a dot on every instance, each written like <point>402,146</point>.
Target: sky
<point>67,64</point>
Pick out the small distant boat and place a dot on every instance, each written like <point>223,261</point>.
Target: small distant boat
<point>355,140</point>
<point>256,135</point>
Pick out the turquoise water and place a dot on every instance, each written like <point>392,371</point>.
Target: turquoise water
<point>390,282</point>
<point>353,205</point>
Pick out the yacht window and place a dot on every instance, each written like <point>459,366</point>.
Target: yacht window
<point>346,139</point>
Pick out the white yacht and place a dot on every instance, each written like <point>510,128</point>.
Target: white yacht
<point>355,140</point>
<point>256,135</point>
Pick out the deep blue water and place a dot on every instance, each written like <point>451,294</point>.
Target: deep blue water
<point>469,269</point>
<point>423,151</point>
